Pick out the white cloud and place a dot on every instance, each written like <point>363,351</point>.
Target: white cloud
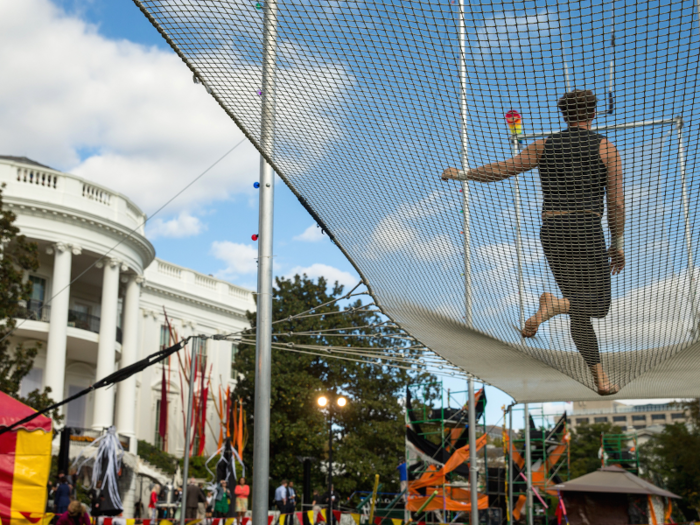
<point>184,225</point>
<point>509,33</point>
<point>312,234</point>
<point>330,273</point>
<point>240,259</point>
<point>118,113</point>
<point>400,231</point>
<point>130,117</point>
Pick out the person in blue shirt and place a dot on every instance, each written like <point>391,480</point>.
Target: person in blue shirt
<point>281,497</point>
<point>62,494</point>
<point>291,506</point>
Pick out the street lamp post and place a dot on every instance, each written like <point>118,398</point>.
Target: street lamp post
<point>324,402</point>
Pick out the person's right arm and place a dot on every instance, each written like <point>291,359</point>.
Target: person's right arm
<point>616,204</point>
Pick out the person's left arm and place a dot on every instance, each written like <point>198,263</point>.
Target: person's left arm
<point>497,171</point>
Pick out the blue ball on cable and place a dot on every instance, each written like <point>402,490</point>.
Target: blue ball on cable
<point>256,185</point>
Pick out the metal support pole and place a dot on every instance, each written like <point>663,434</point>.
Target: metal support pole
<point>188,427</point>
<point>510,464</point>
<point>686,217</point>
<point>473,468</point>
<point>263,357</point>
<point>528,465</point>
<point>329,518</point>
<point>465,166</point>
<point>607,127</point>
<point>518,239</point>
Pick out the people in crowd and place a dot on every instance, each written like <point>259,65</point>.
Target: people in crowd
<point>332,498</point>
<point>153,502</point>
<point>242,492</point>
<point>50,490</point>
<point>74,515</point>
<point>316,503</point>
<point>291,498</point>
<point>210,504</point>
<point>223,499</point>
<point>194,497</point>
<point>281,497</point>
<point>62,494</point>
<point>96,498</point>
<point>202,505</point>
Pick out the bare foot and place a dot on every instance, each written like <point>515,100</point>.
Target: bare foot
<point>550,305</point>
<point>602,381</point>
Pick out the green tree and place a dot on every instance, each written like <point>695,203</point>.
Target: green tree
<point>585,447</point>
<point>369,432</point>
<point>672,459</point>
<point>17,256</point>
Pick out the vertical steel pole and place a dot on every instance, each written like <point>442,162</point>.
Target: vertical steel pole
<point>464,139</point>
<point>329,518</point>
<point>686,217</point>
<point>510,464</point>
<point>528,465</point>
<point>473,468</point>
<point>518,239</point>
<point>188,427</point>
<point>263,357</point>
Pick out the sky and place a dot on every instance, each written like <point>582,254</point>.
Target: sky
<point>91,88</point>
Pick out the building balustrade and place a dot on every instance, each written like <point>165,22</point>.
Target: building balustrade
<point>38,311</point>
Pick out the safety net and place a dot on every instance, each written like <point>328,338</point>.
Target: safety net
<point>374,100</point>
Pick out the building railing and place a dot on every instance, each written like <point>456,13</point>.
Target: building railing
<point>37,177</point>
<point>38,311</point>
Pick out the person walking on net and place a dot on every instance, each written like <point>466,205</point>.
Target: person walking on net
<point>578,168</point>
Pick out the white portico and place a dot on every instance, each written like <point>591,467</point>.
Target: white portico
<point>99,298</point>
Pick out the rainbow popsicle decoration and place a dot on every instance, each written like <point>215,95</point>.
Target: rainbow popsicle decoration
<point>515,122</point>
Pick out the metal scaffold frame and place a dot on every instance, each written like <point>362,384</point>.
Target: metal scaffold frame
<point>544,459</point>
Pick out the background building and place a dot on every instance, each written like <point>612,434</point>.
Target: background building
<point>627,417</point>
<point>99,304</point>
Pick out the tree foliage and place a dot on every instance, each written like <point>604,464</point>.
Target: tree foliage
<point>585,447</point>
<point>17,256</point>
<point>369,431</point>
<point>672,459</point>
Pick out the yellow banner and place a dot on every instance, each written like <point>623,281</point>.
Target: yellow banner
<point>395,521</point>
<point>356,517</point>
<point>282,517</point>
<point>310,514</point>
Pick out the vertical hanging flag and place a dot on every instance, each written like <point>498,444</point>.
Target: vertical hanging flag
<point>163,416</point>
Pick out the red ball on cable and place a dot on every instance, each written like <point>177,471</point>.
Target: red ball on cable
<point>254,236</point>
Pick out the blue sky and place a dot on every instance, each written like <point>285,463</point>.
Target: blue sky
<point>139,125</point>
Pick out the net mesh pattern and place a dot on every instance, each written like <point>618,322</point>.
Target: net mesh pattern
<point>368,113</point>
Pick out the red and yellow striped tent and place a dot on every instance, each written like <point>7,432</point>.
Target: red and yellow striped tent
<point>25,460</point>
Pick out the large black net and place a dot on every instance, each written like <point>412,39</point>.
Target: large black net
<point>372,101</point>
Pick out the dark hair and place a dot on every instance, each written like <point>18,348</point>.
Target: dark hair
<point>578,105</point>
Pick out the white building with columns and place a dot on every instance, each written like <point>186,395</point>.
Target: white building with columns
<point>99,303</point>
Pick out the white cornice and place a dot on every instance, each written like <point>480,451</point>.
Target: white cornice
<point>88,221</point>
<point>177,294</point>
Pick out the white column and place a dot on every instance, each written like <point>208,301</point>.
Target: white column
<point>103,413</point>
<point>126,390</point>
<point>55,374</point>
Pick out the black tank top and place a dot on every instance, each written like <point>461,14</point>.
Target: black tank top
<point>572,173</point>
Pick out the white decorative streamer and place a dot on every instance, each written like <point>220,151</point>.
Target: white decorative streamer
<point>110,453</point>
